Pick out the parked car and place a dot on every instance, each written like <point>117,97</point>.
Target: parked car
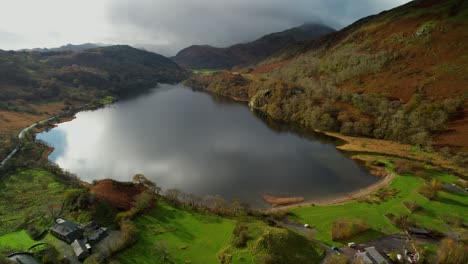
<point>351,245</point>
<point>306,226</point>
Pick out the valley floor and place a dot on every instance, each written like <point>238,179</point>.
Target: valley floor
<point>177,235</point>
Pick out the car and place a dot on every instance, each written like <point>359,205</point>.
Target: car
<point>306,226</point>
<point>351,245</point>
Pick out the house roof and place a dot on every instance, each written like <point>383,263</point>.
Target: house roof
<point>22,258</point>
<point>375,255</point>
<point>64,227</point>
<point>364,257</point>
<point>98,234</point>
<point>79,247</point>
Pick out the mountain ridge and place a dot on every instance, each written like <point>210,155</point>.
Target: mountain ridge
<point>399,75</point>
<point>206,56</point>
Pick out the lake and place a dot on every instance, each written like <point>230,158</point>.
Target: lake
<point>204,145</point>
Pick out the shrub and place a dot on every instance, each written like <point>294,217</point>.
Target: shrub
<point>338,259</point>
<point>461,183</point>
<point>404,167</point>
<point>427,192</point>
<point>412,206</point>
<point>345,229</point>
<point>128,235</point>
<point>452,252</point>
<point>453,220</point>
<point>241,235</point>
<point>401,221</point>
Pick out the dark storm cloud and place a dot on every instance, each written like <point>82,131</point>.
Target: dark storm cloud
<point>224,22</point>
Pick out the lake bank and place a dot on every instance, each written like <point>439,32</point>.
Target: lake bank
<point>241,158</point>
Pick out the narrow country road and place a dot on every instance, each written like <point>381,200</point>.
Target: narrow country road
<point>23,132</point>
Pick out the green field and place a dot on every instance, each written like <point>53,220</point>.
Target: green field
<point>205,71</point>
<point>28,197</point>
<point>190,237</point>
<point>107,100</point>
<point>431,215</point>
<point>17,241</point>
<point>267,243</point>
<point>184,235</point>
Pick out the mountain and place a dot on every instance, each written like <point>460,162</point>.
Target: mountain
<point>45,76</point>
<point>68,47</point>
<point>400,75</point>
<point>208,57</point>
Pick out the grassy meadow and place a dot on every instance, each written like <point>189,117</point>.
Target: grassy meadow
<point>432,214</point>
<point>29,197</point>
<point>181,235</point>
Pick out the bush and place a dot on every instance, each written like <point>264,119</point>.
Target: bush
<point>427,192</point>
<point>241,235</point>
<point>452,252</point>
<point>412,206</point>
<point>453,220</point>
<point>404,167</point>
<point>345,229</point>
<point>338,259</point>
<point>401,221</point>
<point>33,231</point>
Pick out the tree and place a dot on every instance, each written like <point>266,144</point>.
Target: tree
<point>452,252</point>
<point>142,180</point>
<point>172,195</point>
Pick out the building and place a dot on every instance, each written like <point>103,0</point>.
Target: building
<point>66,230</point>
<point>22,258</point>
<point>97,235</point>
<point>371,256</point>
<point>81,249</point>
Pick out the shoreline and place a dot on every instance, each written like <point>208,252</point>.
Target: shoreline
<point>344,198</point>
<point>27,129</point>
<point>339,199</point>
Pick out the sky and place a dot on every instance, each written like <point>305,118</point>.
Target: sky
<point>167,26</point>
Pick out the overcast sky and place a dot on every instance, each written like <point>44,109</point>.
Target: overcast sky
<point>168,25</point>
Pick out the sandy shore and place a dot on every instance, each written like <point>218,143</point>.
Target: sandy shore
<point>342,199</point>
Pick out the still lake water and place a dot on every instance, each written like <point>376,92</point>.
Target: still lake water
<point>204,145</point>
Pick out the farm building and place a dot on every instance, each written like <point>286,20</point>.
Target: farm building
<point>81,249</point>
<point>97,235</point>
<point>371,256</point>
<point>22,258</point>
<point>66,230</point>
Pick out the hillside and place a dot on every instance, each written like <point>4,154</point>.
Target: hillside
<point>36,85</point>
<point>400,75</point>
<point>208,57</point>
<point>68,47</point>
<point>46,76</point>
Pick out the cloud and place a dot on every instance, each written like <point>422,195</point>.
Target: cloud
<point>225,22</point>
<point>168,25</point>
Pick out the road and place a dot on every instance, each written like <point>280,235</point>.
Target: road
<point>23,132</point>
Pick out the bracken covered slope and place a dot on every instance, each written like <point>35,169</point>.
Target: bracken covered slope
<point>400,75</point>
<point>46,76</point>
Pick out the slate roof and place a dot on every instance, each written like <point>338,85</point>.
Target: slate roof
<point>375,255</point>
<point>22,258</point>
<point>66,230</point>
<point>79,247</point>
<point>364,257</point>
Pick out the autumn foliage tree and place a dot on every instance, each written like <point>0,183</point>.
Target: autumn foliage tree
<point>142,180</point>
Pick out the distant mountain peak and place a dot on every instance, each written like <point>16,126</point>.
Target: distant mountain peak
<point>205,56</point>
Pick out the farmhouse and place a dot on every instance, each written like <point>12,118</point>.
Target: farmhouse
<point>81,249</point>
<point>22,258</point>
<point>371,256</point>
<point>66,230</point>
